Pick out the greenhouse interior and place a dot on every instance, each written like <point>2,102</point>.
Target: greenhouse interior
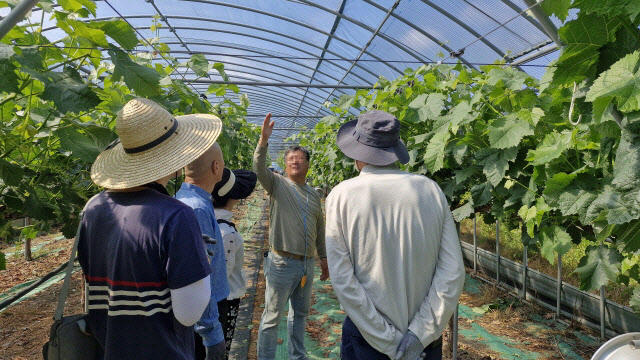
<point>525,114</point>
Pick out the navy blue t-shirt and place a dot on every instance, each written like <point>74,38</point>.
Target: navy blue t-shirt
<point>133,248</point>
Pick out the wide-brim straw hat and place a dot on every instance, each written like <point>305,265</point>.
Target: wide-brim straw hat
<point>152,144</point>
<point>374,138</point>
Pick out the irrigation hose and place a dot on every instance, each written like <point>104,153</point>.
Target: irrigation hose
<point>5,303</point>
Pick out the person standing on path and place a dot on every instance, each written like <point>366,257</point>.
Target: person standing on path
<point>201,176</point>
<point>141,250</point>
<point>234,186</point>
<point>393,250</point>
<point>296,231</point>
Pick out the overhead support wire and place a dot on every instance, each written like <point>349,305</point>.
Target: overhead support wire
<point>466,27</point>
<point>15,16</point>
<point>501,25</point>
<point>364,48</point>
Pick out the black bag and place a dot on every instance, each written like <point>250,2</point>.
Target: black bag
<point>70,338</point>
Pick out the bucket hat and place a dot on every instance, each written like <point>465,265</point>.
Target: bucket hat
<point>236,184</point>
<point>373,138</point>
<point>152,144</point>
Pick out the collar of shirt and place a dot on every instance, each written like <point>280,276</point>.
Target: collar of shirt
<point>197,190</point>
<point>373,169</point>
<point>223,214</point>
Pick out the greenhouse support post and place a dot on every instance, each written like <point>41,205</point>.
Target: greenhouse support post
<point>559,287</point>
<point>15,16</point>
<point>454,335</point>
<point>475,248</point>
<point>524,272</point>
<point>603,300</point>
<point>497,251</point>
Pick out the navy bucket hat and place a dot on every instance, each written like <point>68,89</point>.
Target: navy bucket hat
<point>236,184</point>
<point>373,138</point>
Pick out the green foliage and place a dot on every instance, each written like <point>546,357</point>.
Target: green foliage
<point>499,142</point>
<point>55,120</point>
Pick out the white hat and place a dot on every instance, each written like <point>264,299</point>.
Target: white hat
<point>152,144</point>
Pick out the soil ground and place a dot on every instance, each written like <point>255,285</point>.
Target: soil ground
<point>492,323</point>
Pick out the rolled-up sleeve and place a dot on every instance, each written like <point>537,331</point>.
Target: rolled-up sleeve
<point>265,176</point>
<point>383,336</point>
<point>446,285</point>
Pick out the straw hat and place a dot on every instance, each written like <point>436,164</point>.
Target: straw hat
<point>152,144</point>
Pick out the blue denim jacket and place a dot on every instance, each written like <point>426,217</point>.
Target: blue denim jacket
<point>200,201</point>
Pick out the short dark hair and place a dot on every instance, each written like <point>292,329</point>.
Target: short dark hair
<point>298,148</point>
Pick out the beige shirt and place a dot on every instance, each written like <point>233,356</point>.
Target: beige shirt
<point>394,255</point>
<point>287,207</point>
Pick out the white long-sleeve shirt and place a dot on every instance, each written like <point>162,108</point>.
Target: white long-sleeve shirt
<point>394,255</point>
<point>234,255</point>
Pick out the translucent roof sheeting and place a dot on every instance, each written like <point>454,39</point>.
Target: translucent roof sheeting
<point>333,42</point>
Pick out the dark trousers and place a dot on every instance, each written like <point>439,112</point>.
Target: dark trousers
<point>227,315</point>
<point>355,347</point>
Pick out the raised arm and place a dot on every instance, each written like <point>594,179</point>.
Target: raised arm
<point>265,176</point>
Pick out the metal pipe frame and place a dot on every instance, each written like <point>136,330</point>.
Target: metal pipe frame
<point>324,51</point>
<point>270,78</point>
<point>559,287</point>
<point>292,21</point>
<point>277,84</point>
<point>192,18</point>
<point>542,52</point>
<point>266,102</point>
<point>393,41</point>
<point>259,38</point>
<point>548,26</point>
<point>525,260</point>
<point>464,26</point>
<point>373,36</point>
<point>15,16</point>
<point>532,21</point>
<point>249,79</point>
<point>498,250</point>
<point>470,3</point>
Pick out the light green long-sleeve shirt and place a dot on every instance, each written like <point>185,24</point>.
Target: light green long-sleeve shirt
<point>286,211</point>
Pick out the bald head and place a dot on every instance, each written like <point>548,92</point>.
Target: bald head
<point>206,170</point>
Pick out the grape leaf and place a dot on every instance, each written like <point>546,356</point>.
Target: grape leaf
<point>71,98</point>
<point>598,267</point>
<point>118,30</point>
<point>554,240</point>
<point>507,132</point>
<point>495,162</point>
<point>463,211</point>
<point>628,236</point>
<point>551,147</point>
<point>481,194</point>
<point>143,80</point>
<point>559,8</point>
<point>10,174</point>
<point>434,156</point>
<point>621,82</point>
<point>199,64</point>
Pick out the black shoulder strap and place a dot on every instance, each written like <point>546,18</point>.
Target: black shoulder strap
<point>220,221</point>
<point>67,279</point>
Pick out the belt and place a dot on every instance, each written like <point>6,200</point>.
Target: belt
<point>289,255</point>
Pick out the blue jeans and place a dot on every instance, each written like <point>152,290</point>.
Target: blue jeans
<point>355,347</point>
<point>283,276</point>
